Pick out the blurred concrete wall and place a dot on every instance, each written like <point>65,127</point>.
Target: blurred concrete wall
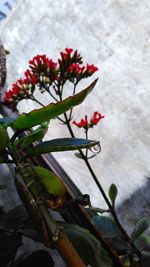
<point>114,35</point>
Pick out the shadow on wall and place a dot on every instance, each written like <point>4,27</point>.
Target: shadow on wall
<point>136,207</point>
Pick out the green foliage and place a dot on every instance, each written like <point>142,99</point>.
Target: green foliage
<point>143,242</point>
<point>6,51</point>
<point>51,111</point>
<point>49,181</point>
<point>60,144</point>
<point>106,225</point>
<point>140,227</point>
<point>110,231</point>
<point>113,193</point>
<point>88,247</point>
<point>4,138</point>
<point>35,135</point>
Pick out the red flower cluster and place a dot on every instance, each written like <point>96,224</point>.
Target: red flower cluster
<point>22,88</point>
<point>44,72</point>
<point>42,65</point>
<point>71,68</point>
<point>84,123</point>
<point>30,78</point>
<point>69,57</point>
<point>80,72</point>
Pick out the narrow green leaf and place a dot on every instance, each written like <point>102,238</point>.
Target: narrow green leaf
<point>113,193</point>
<point>61,144</point>
<point>36,117</point>
<point>36,135</point>
<point>50,182</point>
<point>140,227</point>
<point>4,138</point>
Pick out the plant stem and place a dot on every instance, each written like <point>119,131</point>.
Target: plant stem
<point>61,240</point>
<point>84,157</point>
<point>111,208</point>
<point>74,90</point>
<point>86,135</point>
<point>36,100</point>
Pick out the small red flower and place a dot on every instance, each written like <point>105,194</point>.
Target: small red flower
<point>91,69</point>
<point>96,118</point>
<point>68,57</point>
<point>75,68</point>
<point>84,123</point>
<point>42,65</point>
<point>30,78</point>
<point>19,91</point>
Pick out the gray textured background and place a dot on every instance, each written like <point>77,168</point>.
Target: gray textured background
<point>115,36</point>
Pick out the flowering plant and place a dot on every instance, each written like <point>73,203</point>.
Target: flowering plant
<point>41,189</point>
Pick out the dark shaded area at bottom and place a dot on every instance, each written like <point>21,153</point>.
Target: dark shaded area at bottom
<point>9,199</point>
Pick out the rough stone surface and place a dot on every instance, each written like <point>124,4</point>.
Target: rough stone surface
<point>115,36</point>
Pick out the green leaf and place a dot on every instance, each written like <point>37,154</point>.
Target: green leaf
<point>140,227</point>
<point>113,193</point>
<point>106,225</point>
<point>87,246</point>
<point>4,138</point>
<point>50,182</point>
<point>7,52</point>
<point>36,117</point>
<point>36,135</point>
<point>143,242</point>
<point>110,232</point>
<point>61,144</point>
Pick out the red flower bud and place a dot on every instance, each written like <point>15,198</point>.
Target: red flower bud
<point>96,118</point>
<point>82,124</point>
